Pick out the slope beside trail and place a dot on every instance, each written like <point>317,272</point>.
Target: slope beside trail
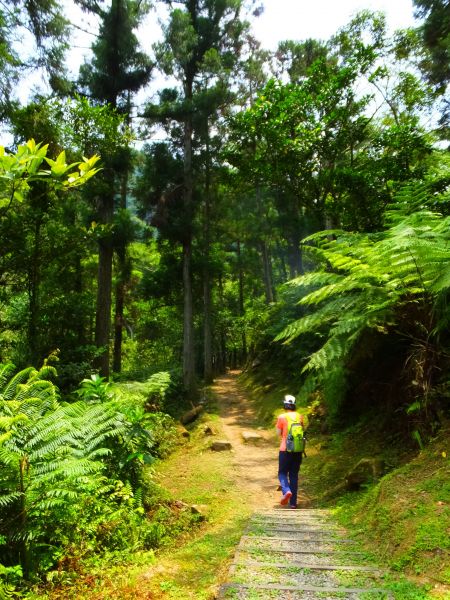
<point>255,463</point>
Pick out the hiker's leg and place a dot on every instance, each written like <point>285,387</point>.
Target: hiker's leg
<point>283,466</point>
<point>293,470</point>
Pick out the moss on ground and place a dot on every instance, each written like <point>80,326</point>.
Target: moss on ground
<point>405,518</point>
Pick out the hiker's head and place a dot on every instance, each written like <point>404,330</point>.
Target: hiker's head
<point>289,402</point>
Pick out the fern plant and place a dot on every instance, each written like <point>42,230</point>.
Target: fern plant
<point>50,454</point>
<point>393,280</point>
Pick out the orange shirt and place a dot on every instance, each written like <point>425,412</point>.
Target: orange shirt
<point>282,426</point>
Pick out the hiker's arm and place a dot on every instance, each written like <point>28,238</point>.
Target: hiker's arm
<point>279,427</point>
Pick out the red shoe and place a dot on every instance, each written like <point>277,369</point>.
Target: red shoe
<point>285,499</point>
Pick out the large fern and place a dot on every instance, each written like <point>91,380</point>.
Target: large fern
<point>365,282</point>
<point>49,455</point>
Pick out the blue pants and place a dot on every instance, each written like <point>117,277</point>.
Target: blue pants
<point>288,469</point>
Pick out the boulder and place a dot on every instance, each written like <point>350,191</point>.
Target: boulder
<point>180,504</point>
<point>207,430</point>
<point>200,510</point>
<point>251,437</point>
<point>220,446</point>
<point>367,470</point>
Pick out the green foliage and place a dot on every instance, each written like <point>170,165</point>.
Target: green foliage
<point>72,477</point>
<point>145,405</point>
<point>435,31</point>
<point>70,473</point>
<point>94,389</point>
<point>375,283</point>
<point>53,468</point>
<point>118,66</point>
<point>22,168</point>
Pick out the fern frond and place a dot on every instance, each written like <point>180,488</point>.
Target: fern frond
<point>11,498</point>
<point>334,350</point>
<point>7,591</point>
<point>6,370</point>
<point>310,322</point>
<point>21,377</point>
<point>314,279</point>
<point>411,198</point>
<point>46,372</point>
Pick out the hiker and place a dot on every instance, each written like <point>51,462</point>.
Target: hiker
<point>290,458</point>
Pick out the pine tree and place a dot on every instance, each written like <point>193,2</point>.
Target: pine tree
<point>117,70</point>
<point>202,39</point>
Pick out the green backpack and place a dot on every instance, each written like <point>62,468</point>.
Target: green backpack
<point>295,441</point>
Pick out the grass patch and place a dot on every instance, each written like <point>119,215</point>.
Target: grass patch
<point>193,567</point>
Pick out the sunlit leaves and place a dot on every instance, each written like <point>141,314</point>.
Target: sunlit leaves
<point>30,163</point>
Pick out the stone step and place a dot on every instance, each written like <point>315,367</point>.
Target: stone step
<point>321,590</point>
<point>299,557</point>
<point>288,517</point>
<point>310,551</point>
<point>304,565</point>
<point>296,575</point>
<point>294,529</point>
<point>300,538</point>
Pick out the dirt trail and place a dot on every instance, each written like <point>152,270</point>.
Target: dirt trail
<point>256,465</point>
<point>283,553</point>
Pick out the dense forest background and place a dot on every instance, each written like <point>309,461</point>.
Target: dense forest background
<point>285,211</point>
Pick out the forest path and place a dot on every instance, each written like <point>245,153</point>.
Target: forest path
<point>255,463</point>
<point>283,554</point>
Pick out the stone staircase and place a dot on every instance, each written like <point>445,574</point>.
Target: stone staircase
<point>299,554</point>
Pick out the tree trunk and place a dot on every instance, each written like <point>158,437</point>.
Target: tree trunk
<point>223,336</point>
<point>120,287</point>
<point>118,313</point>
<point>267,268</point>
<point>188,325</point>
<point>78,288</point>
<point>207,327</point>
<point>188,331</point>
<point>33,294</point>
<point>207,341</point>
<point>103,312</point>
<point>295,257</point>
<point>104,285</point>
<point>241,301</point>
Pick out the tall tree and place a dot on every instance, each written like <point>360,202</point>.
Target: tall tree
<point>43,25</point>
<point>117,69</point>
<point>296,58</point>
<point>436,36</point>
<point>199,37</point>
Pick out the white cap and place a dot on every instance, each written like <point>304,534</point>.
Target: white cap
<point>289,400</point>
